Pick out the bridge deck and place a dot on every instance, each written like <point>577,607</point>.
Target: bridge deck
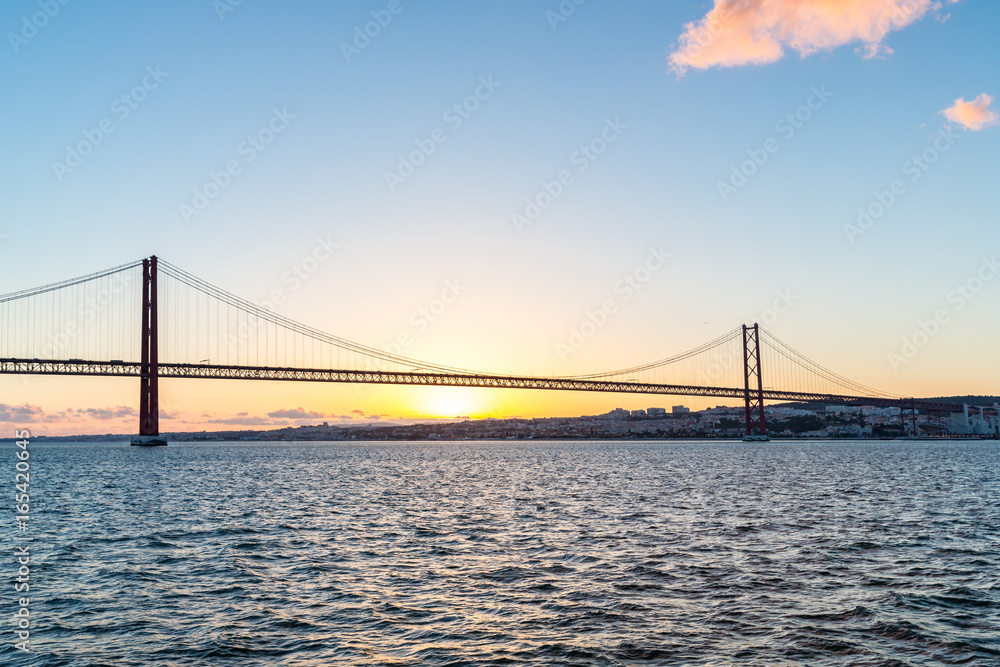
<point>230,372</point>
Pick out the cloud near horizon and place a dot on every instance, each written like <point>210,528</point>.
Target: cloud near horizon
<point>28,414</point>
<point>757,32</point>
<point>20,413</point>
<point>118,412</point>
<point>973,115</point>
<point>59,423</point>
<point>280,418</point>
<point>295,413</point>
<point>245,420</point>
<point>121,418</point>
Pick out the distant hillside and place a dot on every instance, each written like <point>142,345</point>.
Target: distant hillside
<point>971,400</point>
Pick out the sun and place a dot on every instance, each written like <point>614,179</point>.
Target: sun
<point>448,402</point>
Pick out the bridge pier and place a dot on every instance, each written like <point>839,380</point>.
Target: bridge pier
<point>149,400</point>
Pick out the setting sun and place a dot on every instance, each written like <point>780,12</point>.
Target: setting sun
<point>450,402</point>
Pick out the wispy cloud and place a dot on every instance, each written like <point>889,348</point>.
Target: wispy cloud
<point>247,420</point>
<point>118,412</point>
<point>27,413</point>
<point>71,420</point>
<point>757,32</point>
<point>121,419</point>
<point>295,413</point>
<point>973,115</point>
<point>20,413</point>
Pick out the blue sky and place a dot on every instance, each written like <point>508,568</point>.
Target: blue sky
<point>223,75</point>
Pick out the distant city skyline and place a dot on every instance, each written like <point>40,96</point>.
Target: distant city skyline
<point>468,184</point>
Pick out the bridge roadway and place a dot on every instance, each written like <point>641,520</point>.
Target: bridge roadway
<point>227,372</point>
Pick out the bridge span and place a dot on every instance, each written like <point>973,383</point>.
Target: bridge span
<point>183,314</point>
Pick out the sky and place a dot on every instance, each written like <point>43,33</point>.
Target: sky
<point>828,169</point>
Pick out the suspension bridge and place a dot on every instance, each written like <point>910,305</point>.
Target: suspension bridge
<point>150,319</point>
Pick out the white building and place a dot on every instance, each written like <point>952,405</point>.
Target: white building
<point>974,421</point>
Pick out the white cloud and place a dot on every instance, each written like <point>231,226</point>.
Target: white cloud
<point>973,115</point>
<point>756,32</point>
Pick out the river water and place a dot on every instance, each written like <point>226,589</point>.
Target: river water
<point>512,553</point>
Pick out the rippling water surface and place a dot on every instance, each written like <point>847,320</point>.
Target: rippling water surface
<point>596,553</point>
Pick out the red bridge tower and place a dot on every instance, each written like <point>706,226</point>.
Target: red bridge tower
<point>149,407</point>
<point>756,429</point>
